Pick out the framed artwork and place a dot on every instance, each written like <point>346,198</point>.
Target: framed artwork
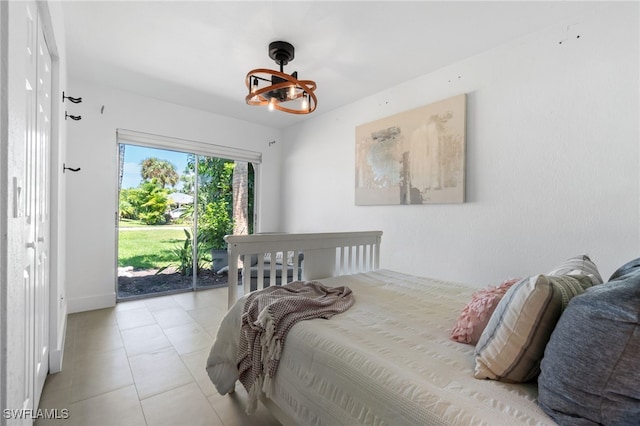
<point>415,157</point>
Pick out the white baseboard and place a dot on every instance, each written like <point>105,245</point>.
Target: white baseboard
<point>55,360</point>
<point>90,303</point>
<point>56,350</point>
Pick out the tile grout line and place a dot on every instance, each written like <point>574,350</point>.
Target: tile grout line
<point>135,386</point>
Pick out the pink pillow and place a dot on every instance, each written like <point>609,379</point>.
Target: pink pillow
<point>476,314</point>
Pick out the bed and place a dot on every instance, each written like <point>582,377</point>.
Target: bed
<point>388,360</point>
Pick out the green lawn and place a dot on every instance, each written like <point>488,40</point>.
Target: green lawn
<point>148,249</point>
<point>130,223</point>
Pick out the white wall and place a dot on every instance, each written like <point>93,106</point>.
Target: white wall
<point>92,193</point>
<point>552,158</point>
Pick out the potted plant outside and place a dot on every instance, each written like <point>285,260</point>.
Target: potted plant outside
<point>215,224</point>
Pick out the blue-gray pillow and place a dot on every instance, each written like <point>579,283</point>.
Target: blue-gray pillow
<point>625,269</point>
<point>590,372</point>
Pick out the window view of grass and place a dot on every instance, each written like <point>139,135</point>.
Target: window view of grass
<point>148,249</point>
<point>156,209</point>
<point>130,223</point>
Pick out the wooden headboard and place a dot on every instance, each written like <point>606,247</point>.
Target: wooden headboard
<point>325,255</point>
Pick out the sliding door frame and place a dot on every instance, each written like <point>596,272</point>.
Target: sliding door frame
<point>199,149</point>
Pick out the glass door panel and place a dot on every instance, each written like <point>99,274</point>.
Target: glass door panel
<point>155,222</point>
<point>223,208</point>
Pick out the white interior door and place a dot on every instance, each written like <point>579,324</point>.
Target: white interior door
<point>36,210</point>
<point>42,214</point>
<point>29,273</point>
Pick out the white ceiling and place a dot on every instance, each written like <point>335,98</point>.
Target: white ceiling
<point>197,53</point>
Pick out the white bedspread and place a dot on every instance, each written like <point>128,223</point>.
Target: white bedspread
<point>386,361</point>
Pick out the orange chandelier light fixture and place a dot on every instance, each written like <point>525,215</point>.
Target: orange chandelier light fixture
<point>278,90</point>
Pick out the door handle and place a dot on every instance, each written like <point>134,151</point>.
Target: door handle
<point>31,245</point>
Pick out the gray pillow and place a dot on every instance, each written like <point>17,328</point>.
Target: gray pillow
<point>590,372</point>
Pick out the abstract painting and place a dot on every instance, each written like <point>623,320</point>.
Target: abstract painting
<point>415,157</point>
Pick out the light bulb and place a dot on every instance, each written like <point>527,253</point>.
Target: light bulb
<point>305,104</point>
<point>292,92</point>
<point>254,89</point>
<point>272,104</point>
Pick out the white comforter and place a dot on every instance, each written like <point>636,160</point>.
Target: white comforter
<point>386,361</point>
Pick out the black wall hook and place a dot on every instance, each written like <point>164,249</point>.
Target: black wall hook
<point>65,168</point>
<point>73,117</point>
<point>74,100</point>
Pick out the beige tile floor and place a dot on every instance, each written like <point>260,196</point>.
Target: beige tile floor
<point>143,363</point>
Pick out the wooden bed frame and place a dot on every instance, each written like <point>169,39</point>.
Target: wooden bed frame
<point>325,255</point>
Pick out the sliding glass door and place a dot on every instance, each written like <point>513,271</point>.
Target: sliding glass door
<point>174,210</point>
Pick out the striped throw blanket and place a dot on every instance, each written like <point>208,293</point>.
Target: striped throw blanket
<point>268,316</point>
